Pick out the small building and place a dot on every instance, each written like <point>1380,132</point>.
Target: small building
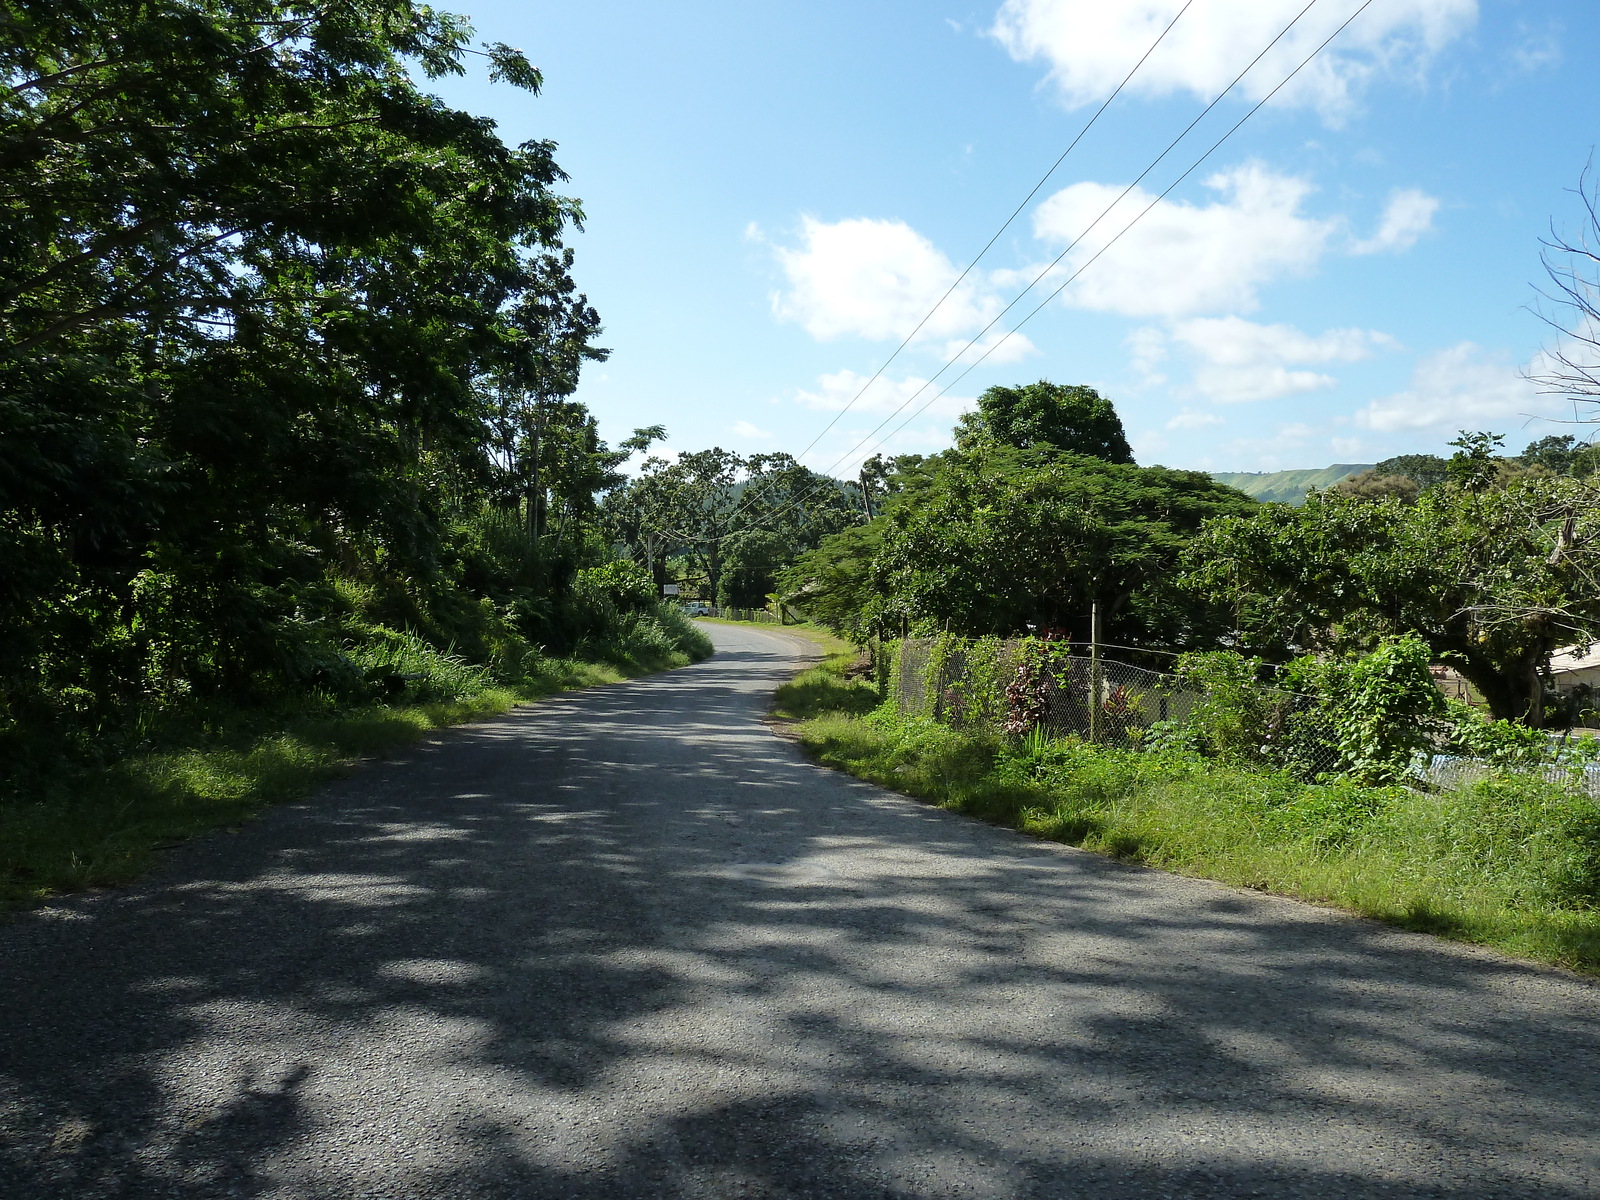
<point>1575,667</point>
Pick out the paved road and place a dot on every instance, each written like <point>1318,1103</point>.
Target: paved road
<point>627,943</point>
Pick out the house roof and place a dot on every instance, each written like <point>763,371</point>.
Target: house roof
<point>1575,658</point>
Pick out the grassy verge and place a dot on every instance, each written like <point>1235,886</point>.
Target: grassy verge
<point>1512,863</point>
<point>82,826</point>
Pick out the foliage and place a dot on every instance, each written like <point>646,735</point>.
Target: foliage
<point>1559,454</point>
<point>1424,470</point>
<point>1363,717</point>
<point>722,512</point>
<point>285,415</point>
<point>1492,573</point>
<point>833,583</point>
<point>1026,699</point>
<point>969,680</point>
<point>1370,485</point>
<point>1043,416</point>
<point>998,542</point>
<point>624,585</point>
<point>1379,708</point>
<point>752,559</point>
<point>405,664</point>
<point>1234,716</point>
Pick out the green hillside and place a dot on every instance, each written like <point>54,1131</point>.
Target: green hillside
<point>1288,487</point>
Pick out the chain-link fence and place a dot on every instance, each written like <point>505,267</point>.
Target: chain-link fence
<point>759,615</point>
<point>976,686</point>
<point>1448,771</point>
<point>1016,687</point>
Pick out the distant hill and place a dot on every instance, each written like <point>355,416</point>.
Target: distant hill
<point>1288,487</point>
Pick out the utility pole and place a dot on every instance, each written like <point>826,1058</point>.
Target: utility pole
<point>866,494</point>
<point>1094,672</point>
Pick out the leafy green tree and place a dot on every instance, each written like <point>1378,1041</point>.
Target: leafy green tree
<point>1424,470</point>
<point>700,506</point>
<point>1554,453</point>
<point>1562,454</point>
<point>1038,416</point>
<point>1492,573</point>
<point>833,583</point>
<point>796,503</point>
<point>258,293</point>
<point>998,542</point>
<point>752,559</point>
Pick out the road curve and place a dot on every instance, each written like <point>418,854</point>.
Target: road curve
<point>627,943</point>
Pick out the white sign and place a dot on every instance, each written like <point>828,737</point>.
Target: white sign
<point>669,589</point>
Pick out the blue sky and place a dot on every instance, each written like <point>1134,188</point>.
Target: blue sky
<point>776,193</point>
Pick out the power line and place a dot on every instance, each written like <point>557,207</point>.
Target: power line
<point>831,482</point>
<point>1192,168</point>
<point>990,243</point>
<point>869,438</point>
<point>1091,227</point>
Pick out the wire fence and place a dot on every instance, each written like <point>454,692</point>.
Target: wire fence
<point>1016,687</point>
<point>758,615</point>
<point>1097,699</point>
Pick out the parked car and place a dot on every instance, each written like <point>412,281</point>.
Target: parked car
<point>697,608</point>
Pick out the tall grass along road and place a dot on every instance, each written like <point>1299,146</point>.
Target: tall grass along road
<point>628,943</point>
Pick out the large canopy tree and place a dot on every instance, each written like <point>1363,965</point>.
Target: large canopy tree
<point>258,291</point>
<point>1493,571</point>
<point>1044,415</point>
<point>727,513</point>
<point>1000,542</point>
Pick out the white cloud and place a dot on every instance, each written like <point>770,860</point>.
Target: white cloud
<point>998,347</point>
<point>874,279</point>
<point>1189,419</point>
<point>1182,258</point>
<point>1235,342</point>
<point>1407,216</point>
<point>1089,45</point>
<point>1241,361</point>
<point>746,430</point>
<point>1241,385</point>
<point>884,396</point>
<point>1459,388</point>
<point>1538,51</point>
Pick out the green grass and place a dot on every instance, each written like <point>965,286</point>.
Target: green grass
<point>1512,863</point>
<point>81,826</point>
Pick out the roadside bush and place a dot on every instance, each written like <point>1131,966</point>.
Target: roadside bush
<point>1378,710</point>
<point>404,665</point>
<point>1236,713</point>
<point>625,586</point>
<point>1364,718</point>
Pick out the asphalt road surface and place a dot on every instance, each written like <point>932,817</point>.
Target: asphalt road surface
<point>629,943</point>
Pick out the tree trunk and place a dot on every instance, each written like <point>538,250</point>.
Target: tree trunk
<point>1513,691</point>
<point>535,492</point>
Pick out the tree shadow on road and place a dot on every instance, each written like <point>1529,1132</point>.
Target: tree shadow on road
<point>629,944</point>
